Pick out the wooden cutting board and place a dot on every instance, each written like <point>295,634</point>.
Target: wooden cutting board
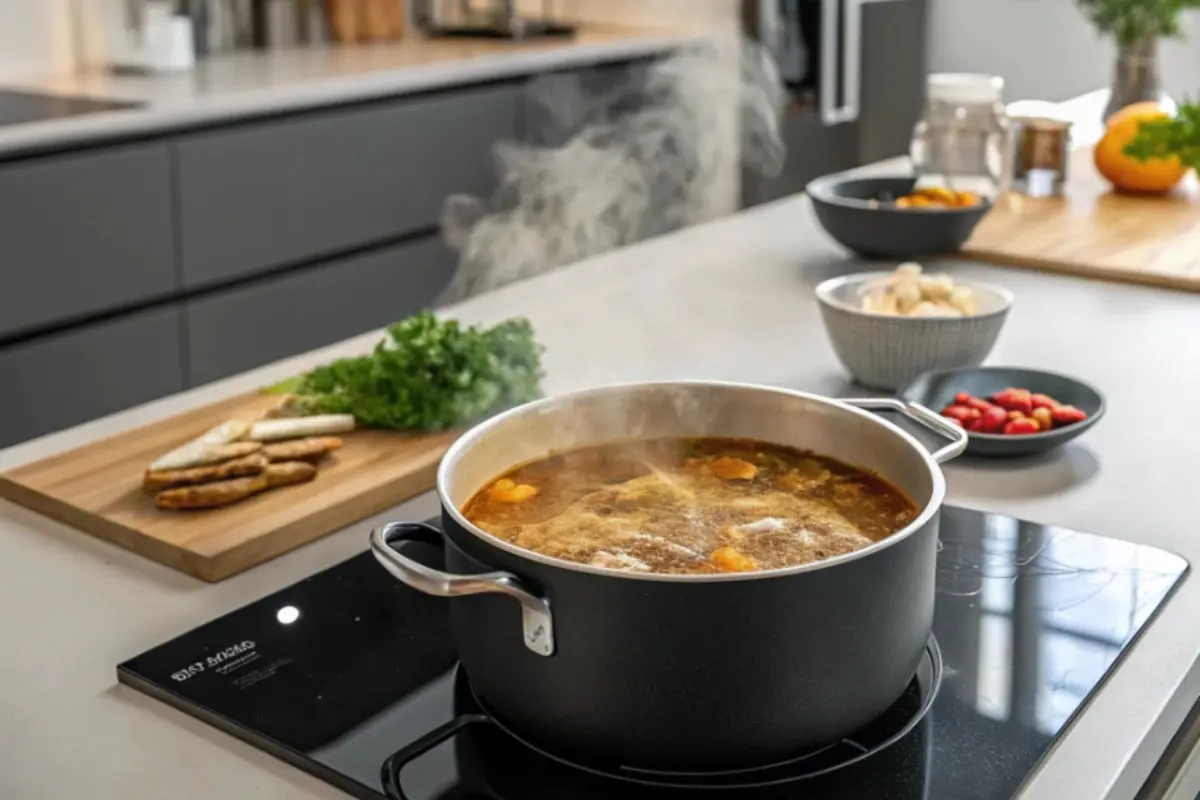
<point>1096,233</point>
<point>97,488</point>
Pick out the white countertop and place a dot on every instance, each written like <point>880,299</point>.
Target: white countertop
<point>262,83</point>
<point>730,300</point>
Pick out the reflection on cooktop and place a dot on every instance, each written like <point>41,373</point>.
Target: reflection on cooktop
<point>345,668</point>
<point>18,107</point>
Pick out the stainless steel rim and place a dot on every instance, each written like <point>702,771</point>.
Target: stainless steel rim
<point>936,498</point>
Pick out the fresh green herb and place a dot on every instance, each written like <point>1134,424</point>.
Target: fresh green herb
<point>427,375</point>
<point>1131,21</point>
<point>1163,138</point>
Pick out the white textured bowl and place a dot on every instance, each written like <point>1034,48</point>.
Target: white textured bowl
<point>886,352</point>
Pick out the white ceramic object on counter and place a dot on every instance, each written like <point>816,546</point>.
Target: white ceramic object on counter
<point>886,352</point>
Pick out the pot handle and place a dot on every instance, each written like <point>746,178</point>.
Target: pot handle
<point>397,761</point>
<point>923,417</point>
<point>535,610</point>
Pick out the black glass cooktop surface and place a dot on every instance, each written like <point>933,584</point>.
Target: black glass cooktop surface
<point>339,672</point>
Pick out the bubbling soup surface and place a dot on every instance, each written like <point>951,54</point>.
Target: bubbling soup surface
<point>690,506</point>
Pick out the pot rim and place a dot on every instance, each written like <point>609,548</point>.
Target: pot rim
<point>936,497</point>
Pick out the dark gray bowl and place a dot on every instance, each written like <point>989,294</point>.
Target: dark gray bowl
<point>936,390</point>
<point>883,231</point>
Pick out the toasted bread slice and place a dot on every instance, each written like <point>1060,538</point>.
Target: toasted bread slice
<point>285,473</point>
<point>252,464</point>
<point>314,448</point>
<point>212,495</point>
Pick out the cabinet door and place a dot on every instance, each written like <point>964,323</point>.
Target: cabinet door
<point>293,190</point>
<point>893,76</point>
<point>84,233</point>
<point>813,149</point>
<point>281,316</point>
<point>67,378</point>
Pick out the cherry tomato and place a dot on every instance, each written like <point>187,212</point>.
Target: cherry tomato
<point>1043,401</point>
<point>1014,400</point>
<point>1067,415</point>
<point>980,405</point>
<point>1020,427</point>
<point>961,413</point>
<point>993,420</point>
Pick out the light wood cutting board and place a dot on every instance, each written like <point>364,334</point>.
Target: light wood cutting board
<point>97,488</point>
<point>1096,233</point>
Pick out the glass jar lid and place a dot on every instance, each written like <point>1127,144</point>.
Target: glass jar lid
<point>963,88</point>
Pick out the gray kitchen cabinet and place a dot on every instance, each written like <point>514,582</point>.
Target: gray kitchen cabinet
<point>555,106</point>
<point>84,233</point>
<point>893,77</point>
<point>67,378</point>
<point>813,149</point>
<point>280,316</point>
<point>274,193</point>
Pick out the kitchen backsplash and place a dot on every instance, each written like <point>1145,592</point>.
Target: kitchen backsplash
<point>35,37</point>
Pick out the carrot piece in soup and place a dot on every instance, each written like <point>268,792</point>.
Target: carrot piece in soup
<point>508,491</point>
<point>728,468</point>
<point>728,559</point>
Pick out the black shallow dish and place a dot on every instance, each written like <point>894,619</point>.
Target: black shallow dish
<point>936,390</point>
<point>843,207</point>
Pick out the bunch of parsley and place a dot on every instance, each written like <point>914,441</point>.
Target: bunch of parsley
<point>1163,138</point>
<point>427,375</point>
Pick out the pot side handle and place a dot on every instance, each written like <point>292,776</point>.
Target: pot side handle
<point>923,417</point>
<point>535,611</point>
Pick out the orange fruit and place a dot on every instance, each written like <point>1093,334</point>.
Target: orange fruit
<point>1156,175</point>
<point>1146,109</point>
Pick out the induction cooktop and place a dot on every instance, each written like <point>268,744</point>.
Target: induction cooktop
<point>352,676</point>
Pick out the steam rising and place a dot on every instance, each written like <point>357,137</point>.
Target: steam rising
<point>621,166</point>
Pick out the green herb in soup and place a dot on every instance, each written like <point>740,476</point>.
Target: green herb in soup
<point>690,506</point>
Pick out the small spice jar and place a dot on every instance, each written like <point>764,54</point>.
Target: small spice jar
<point>1042,147</point>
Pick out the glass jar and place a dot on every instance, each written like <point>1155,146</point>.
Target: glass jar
<point>962,140</point>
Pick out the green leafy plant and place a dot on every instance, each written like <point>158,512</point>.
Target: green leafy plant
<point>1131,21</point>
<point>1167,137</point>
<point>427,374</point>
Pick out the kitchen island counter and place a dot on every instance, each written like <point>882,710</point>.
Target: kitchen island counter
<point>731,300</point>
<point>240,86</point>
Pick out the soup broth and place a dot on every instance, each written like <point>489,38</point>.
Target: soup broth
<point>690,506</point>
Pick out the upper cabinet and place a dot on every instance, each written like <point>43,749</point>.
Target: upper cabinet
<point>84,233</point>
<point>270,194</point>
